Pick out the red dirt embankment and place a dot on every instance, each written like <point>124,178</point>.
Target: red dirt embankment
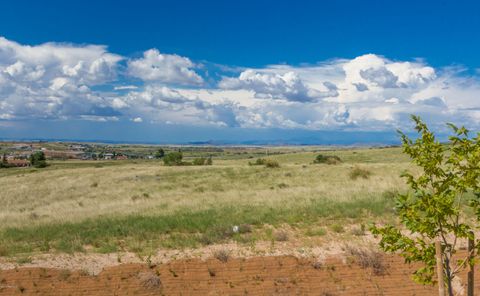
<point>254,276</point>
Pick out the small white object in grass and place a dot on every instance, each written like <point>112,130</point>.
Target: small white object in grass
<point>235,228</point>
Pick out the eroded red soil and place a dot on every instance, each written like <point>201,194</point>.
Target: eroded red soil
<point>254,276</point>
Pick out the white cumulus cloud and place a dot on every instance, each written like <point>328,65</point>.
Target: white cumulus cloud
<point>165,68</point>
<point>369,92</point>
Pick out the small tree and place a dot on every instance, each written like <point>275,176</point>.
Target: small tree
<point>173,158</point>
<point>4,162</point>
<point>160,153</point>
<point>38,160</point>
<point>437,206</point>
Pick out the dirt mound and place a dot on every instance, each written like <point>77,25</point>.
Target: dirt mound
<point>283,275</point>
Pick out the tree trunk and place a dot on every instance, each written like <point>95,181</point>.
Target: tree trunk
<point>438,255</point>
<point>470,275</point>
<point>448,274</point>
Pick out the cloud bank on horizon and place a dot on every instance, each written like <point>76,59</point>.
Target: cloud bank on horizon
<point>57,81</point>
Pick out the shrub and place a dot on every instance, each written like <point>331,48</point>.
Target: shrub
<point>202,161</point>
<point>199,161</point>
<point>272,164</point>
<point>317,264</point>
<point>259,161</point>
<point>358,172</point>
<point>38,159</point>
<point>242,228</point>
<point>269,163</point>
<point>4,165</point>
<point>281,236</point>
<point>245,228</point>
<point>368,259</point>
<point>222,255</point>
<point>150,280</point>
<point>328,159</point>
<point>173,158</point>
<point>338,228</point>
<point>216,235</point>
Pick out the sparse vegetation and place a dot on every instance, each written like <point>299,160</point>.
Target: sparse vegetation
<point>358,172</point>
<point>281,236</point>
<point>173,158</point>
<point>202,161</point>
<point>358,231</point>
<point>259,161</point>
<point>327,159</point>
<point>320,231</point>
<point>222,255</point>
<point>367,258</point>
<point>338,228</point>
<point>269,163</point>
<point>150,280</point>
<point>137,206</point>
<point>272,164</point>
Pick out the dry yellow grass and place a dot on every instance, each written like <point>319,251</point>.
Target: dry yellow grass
<point>74,193</point>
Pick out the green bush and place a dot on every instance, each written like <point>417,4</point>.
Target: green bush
<point>173,158</point>
<point>38,159</point>
<point>328,159</point>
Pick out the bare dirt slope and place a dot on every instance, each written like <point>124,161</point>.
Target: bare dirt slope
<point>283,275</point>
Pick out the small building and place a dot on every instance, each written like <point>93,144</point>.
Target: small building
<point>108,156</point>
<point>121,157</point>
<point>77,147</point>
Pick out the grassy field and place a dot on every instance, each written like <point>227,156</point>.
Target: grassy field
<point>142,205</point>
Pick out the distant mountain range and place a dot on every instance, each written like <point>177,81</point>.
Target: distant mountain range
<point>317,141</point>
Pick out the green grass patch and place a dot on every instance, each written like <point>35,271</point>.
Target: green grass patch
<point>184,228</point>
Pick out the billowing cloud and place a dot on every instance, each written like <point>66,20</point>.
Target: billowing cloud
<point>167,105</point>
<point>87,82</point>
<point>54,80</point>
<point>164,68</point>
<point>286,86</point>
<point>40,65</point>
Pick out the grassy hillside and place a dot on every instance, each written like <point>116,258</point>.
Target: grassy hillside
<point>133,205</point>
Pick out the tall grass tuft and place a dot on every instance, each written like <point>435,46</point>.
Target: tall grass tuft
<point>358,172</point>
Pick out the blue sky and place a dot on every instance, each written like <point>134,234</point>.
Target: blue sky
<point>179,71</point>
